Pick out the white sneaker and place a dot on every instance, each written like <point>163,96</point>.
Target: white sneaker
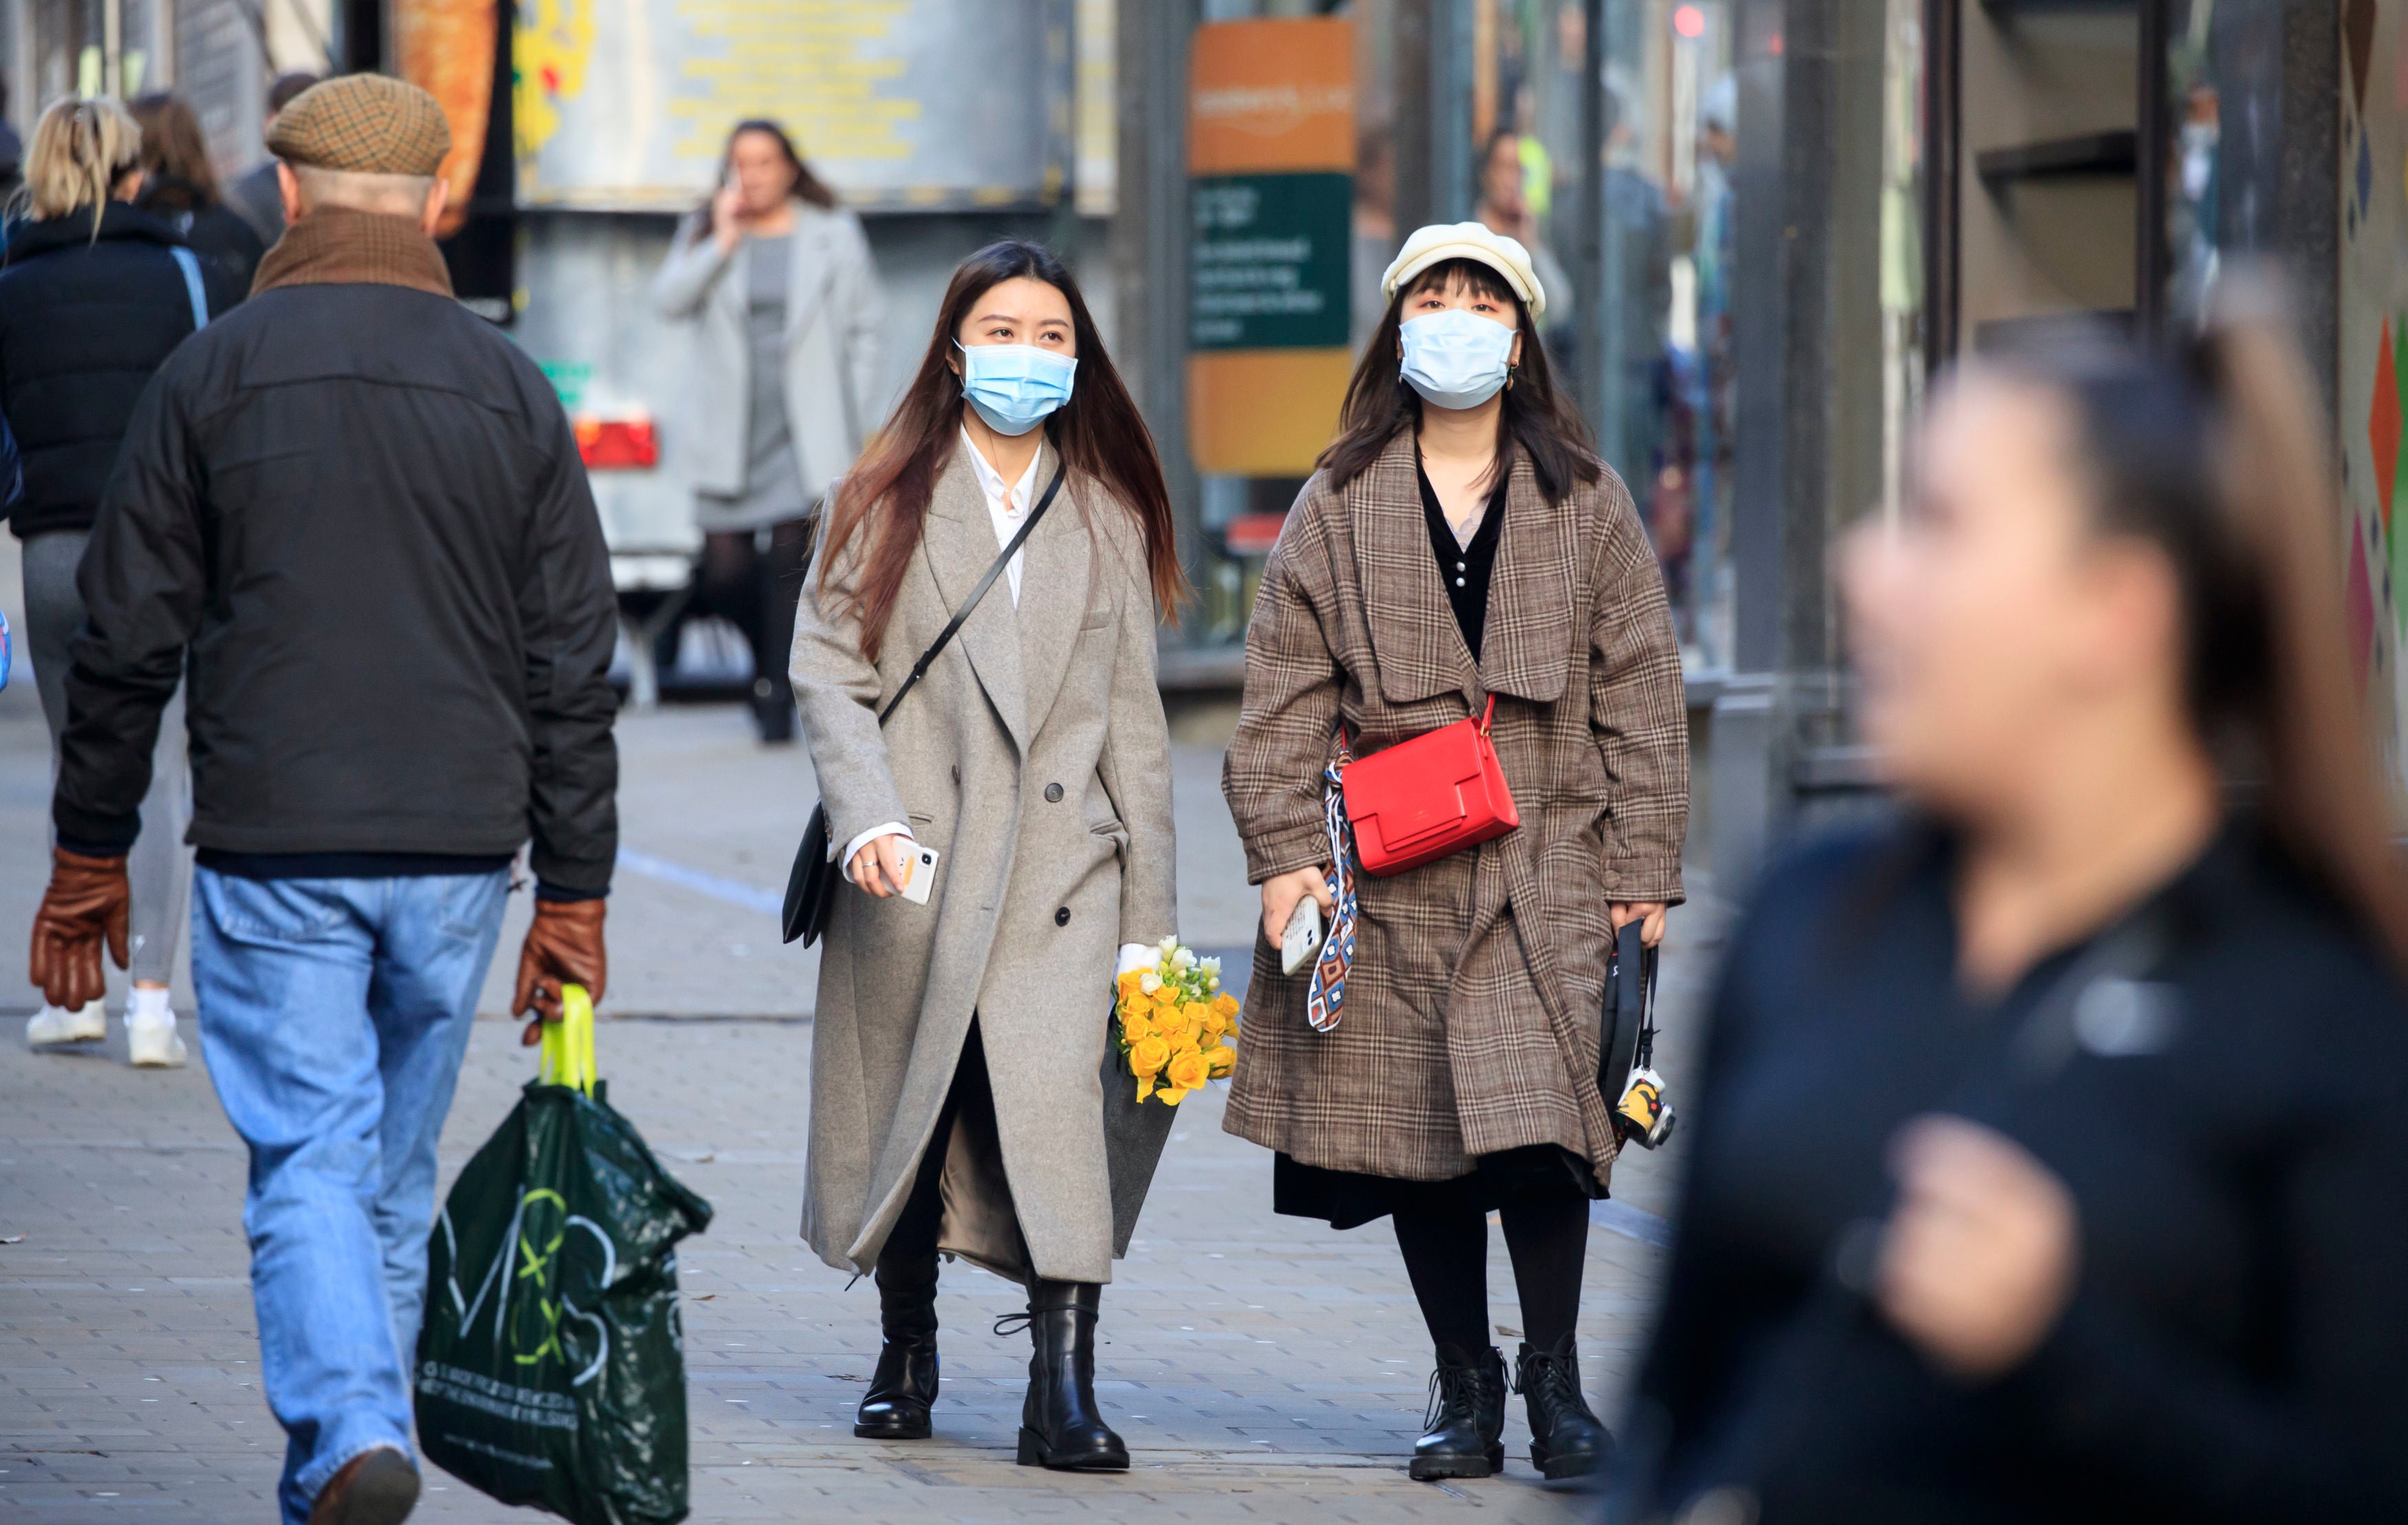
<point>53,1025</point>
<point>151,1043</point>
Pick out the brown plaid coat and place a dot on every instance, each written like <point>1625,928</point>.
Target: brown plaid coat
<point>1470,1020</point>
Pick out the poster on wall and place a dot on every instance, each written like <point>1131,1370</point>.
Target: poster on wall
<point>625,105</point>
<point>1271,151</point>
<point>2373,381</point>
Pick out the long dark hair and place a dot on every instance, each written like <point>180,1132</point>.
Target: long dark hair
<point>1536,417</point>
<point>175,154</point>
<point>2219,457</point>
<point>1099,433</point>
<point>807,185</point>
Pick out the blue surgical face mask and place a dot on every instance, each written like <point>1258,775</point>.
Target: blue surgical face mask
<point>1456,359</point>
<point>1015,386</point>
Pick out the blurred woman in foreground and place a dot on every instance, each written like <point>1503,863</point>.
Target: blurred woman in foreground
<point>2051,1157</point>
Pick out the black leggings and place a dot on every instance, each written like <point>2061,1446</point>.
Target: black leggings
<point>1445,1246</point>
<point>752,578</point>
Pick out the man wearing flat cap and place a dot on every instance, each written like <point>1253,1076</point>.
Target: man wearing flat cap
<point>353,517</point>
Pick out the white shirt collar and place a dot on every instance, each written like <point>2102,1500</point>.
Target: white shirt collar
<point>1006,523</point>
<point>991,481</point>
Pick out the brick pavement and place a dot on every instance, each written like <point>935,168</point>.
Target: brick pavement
<point>1262,1368</point>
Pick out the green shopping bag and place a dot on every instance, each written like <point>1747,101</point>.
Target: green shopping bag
<point>551,1364</point>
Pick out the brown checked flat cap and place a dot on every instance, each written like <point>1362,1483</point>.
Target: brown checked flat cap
<point>367,124</point>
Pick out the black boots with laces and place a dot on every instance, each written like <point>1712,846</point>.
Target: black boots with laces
<point>1565,1439</point>
<point>1060,1425</point>
<point>1466,1421</point>
<point>905,1384</point>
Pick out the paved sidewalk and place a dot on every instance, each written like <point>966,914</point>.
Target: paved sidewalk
<point>1262,1368</point>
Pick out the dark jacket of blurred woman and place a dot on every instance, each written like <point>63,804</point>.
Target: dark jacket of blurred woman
<point>92,300</point>
<point>2050,1155</point>
<point>774,280</point>
<point>180,188</point>
<point>1460,545</point>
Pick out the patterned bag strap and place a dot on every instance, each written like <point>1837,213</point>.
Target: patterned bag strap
<point>1327,992</point>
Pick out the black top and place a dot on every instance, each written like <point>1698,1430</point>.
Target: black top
<point>84,322</point>
<point>222,236</point>
<point>358,510</point>
<point>2237,1349</point>
<point>1462,570</point>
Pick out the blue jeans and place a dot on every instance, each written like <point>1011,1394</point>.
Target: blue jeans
<point>333,1015</point>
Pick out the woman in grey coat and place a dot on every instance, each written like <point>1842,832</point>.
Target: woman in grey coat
<point>774,279</point>
<point>956,1101</point>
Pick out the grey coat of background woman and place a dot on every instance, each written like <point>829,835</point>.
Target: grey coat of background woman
<point>823,384</point>
<point>1034,757</point>
<point>781,393</point>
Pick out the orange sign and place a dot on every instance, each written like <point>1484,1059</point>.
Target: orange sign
<point>1270,147</point>
<point>445,49</point>
<point>1271,95</point>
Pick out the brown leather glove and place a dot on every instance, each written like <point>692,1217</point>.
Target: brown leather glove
<point>86,903</point>
<point>563,947</point>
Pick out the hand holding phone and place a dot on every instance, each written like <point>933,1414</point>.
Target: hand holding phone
<point>1302,939</point>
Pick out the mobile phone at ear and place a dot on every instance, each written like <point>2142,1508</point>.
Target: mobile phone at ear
<point>1303,936</point>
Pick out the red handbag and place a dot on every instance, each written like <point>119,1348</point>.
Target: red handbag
<point>1441,793</point>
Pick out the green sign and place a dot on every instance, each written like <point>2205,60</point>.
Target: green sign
<point>1270,260</point>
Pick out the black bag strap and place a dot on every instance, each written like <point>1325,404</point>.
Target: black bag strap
<point>962,615</point>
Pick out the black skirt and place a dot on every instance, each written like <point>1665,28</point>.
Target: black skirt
<point>1348,1199</point>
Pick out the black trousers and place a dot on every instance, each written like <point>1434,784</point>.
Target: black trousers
<point>1445,1239</point>
<point>752,578</point>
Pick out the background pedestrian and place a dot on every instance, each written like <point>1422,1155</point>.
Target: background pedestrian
<point>92,297</point>
<point>774,281</point>
<point>180,188</point>
<point>1461,546</point>
<point>358,513</point>
<point>956,1103</point>
<point>2047,1144</point>
<point>255,193</point>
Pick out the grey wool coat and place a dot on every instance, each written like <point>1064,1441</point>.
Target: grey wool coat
<point>1471,1019</point>
<point>834,312</point>
<point>1035,758</point>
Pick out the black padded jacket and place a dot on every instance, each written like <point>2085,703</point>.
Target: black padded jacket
<point>84,322</point>
<point>354,515</point>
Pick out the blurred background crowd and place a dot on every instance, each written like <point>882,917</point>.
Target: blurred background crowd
<point>1762,224</point>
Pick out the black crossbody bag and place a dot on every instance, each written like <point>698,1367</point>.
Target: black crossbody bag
<point>811,885</point>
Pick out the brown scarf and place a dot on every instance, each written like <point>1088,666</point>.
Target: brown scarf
<point>342,246</point>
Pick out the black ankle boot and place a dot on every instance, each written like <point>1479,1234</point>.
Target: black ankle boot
<point>1565,1439</point>
<point>1466,1416</point>
<point>1059,1425</point>
<point>905,1383</point>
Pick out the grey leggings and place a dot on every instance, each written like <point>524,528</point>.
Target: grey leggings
<point>161,865</point>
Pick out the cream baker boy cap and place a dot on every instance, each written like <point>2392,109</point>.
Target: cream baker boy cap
<point>1443,241</point>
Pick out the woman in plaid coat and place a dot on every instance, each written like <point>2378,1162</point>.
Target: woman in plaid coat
<point>1460,543</point>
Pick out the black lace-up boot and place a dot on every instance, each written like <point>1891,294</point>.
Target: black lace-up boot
<point>1565,1439</point>
<point>905,1383</point>
<point>1060,1425</point>
<point>1466,1421</point>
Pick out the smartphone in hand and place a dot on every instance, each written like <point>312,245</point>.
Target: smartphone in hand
<point>920,863</point>
<point>1302,939</point>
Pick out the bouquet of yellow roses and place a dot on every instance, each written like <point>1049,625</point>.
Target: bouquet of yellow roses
<point>1176,1023</point>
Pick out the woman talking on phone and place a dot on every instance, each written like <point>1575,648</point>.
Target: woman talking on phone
<point>1009,829</point>
<point>1460,555</point>
<point>775,282</point>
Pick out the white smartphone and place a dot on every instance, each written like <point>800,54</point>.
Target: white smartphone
<point>1303,937</point>
<point>920,864</point>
